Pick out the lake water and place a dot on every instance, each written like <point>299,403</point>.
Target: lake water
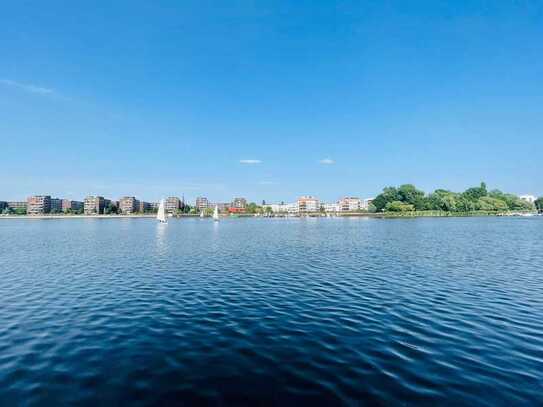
<point>272,311</point>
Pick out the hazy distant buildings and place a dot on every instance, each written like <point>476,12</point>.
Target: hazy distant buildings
<point>308,204</point>
<point>128,205</point>
<point>172,204</point>
<point>56,205</point>
<point>94,205</point>
<point>330,207</point>
<point>17,205</point>
<point>239,203</point>
<point>223,206</point>
<point>349,204</point>
<point>144,207</point>
<point>3,205</point>
<point>202,203</point>
<point>74,206</point>
<point>38,205</point>
<point>285,208</point>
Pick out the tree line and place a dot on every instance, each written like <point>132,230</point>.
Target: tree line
<point>406,198</point>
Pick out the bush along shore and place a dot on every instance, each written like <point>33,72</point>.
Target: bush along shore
<point>407,200</point>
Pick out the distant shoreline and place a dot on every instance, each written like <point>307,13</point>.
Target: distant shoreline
<point>382,215</point>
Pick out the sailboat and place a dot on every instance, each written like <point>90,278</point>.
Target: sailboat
<point>216,214</point>
<point>201,214</point>
<point>161,215</point>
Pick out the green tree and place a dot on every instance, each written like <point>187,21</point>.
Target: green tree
<point>398,206</point>
<point>539,204</point>
<point>253,208</point>
<point>475,193</point>
<point>111,209</point>
<point>487,203</point>
<point>411,195</point>
<point>442,200</point>
<point>389,194</point>
<point>20,211</point>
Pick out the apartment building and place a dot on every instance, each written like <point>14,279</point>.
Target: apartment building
<point>3,205</point>
<point>144,207</point>
<point>38,205</point>
<point>17,205</point>
<point>95,205</point>
<point>56,205</point>
<point>202,203</point>
<point>239,203</point>
<point>172,204</point>
<point>71,205</point>
<point>349,204</point>
<point>223,206</point>
<point>128,205</point>
<point>308,204</point>
<point>330,207</point>
<point>284,208</point>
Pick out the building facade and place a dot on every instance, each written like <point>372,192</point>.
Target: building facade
<point>128,205</point>
<point>349,204</point>
<point>172,204</point>
<point>308,204</point>
<point>38,205</point>
<point>202,203</point>
<point>284,208</point>
<point>3,205</point>
<point>223,206</point>
<point>330,207</point>
<point>17,205</point>
<point>94,205</point>
<point>74,206</point>
<point>144,207</point>
<point>56,205</point>
<point>239,203</point>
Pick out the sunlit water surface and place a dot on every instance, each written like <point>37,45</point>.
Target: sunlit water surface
<point>271,311</point>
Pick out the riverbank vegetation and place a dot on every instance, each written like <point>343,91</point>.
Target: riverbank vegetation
<point>407,198</point>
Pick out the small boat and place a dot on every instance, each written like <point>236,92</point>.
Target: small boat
<point>201,214</point>
<point>216,214</point>
<point>161,214</point>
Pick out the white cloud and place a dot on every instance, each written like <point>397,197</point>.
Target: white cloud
<point>327,161</point>
<point>250,161</point>
<point>27,87</point>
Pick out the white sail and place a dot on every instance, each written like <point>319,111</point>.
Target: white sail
<point>216,213</point>
<point>201,214</point>
<point>161,215</point>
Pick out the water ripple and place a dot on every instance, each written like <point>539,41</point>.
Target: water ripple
<point>255,311</point>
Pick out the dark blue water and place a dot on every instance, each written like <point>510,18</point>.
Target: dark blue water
<point>271,311</point>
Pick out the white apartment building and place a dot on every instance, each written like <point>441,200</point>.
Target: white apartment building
<point>308,204</point>
<point>349,204</point>
<point>284,208</point>
<point>330,207</point>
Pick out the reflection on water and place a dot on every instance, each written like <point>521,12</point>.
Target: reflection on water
<point>245,311</point>
<point>161,229</point>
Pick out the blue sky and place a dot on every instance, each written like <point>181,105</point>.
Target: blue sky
<point>269,99</point>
